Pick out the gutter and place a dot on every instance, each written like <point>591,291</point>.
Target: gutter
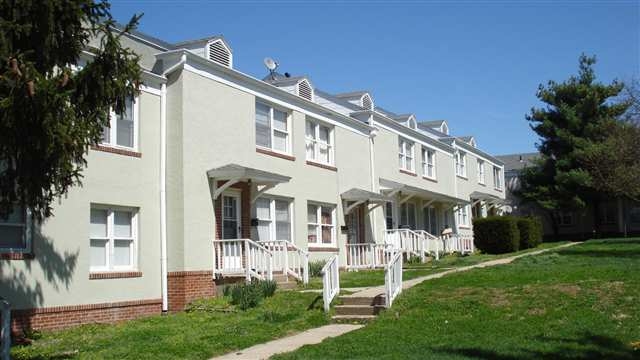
<point>163,197</point>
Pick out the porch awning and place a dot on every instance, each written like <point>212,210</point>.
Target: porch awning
<point>393,186</point>
<point>480,196</point>
<point>360,195</point>
<point>234,173</point>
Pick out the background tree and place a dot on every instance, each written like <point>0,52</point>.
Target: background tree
<point>50,111</point>
<point>579,114</point>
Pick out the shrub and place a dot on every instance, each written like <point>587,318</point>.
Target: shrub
<point>267,287</point>
<point>246,296</point>
<point>315,268</point>
<point>413,260</point>
<point>530,232</point>
<point>496,234</point>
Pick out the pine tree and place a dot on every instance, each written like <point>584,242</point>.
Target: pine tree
<point>50,110</point>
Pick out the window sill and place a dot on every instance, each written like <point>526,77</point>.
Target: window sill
<point>496,189</point>
<point>322,249</point>
<point>321,165</point>
<point>98,275</point>
<point>275,154</point>
<point>430,178</point>
<point>16,256</point>
<point>407,172</point>
<point>466,227</point>
<point>482,184</point>
<point>115,150</point>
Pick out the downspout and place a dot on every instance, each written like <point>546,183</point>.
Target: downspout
<point>455,187</point>
<point>372,163</point>
<point>163,196</point>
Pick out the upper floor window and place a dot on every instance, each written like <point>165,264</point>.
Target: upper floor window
<point>319,142</point>
<point>113,238</point>
<point>497,178</point>
<point>481,171</point>
<point>321,228</point>
<point>463,215</point>
<point>429,163</point>
<point>405,155</point>
<point>274,219</point>
<point>123,129</point>
<point>461,164</point>
<point>272,128</point>
<point>15,234</point>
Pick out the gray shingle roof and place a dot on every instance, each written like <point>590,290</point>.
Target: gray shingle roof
<point>351,95</point>
<point>517,161</point>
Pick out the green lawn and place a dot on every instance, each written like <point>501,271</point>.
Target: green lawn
<point>363,278</point>
<point>195,335</point>
<point>574,303</point>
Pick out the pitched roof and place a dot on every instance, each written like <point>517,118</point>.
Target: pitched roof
<point>281,80</point>
<point>517,162</point>
<point>351,95</point>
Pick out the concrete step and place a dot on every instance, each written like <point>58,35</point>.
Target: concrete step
<point>288,285</point>
<point>358,309</point>
<point>359,300</point>
<point>360,319</point>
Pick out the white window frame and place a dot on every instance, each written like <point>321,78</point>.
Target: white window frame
<point>497,178</point>
<point>272,218</point>
<point>461,164</point>
<point>273,130</point>
<point>428,154</point>
<point>111,239</point>
<point>463,216</point>
<point>406,155</point>
<point>26,234</point>
<point>317,142</point>
<point>481,172</point>
<point>319,225</point>
<point>113,128</point>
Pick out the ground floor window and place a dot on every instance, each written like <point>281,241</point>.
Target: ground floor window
<point>274,219</point>
<point>408,216</point>
<point>388,215</point>
<point>463,215</point>
<point>608,213</point>
<point>113,238</point>
<point>565,218</point>
<point>321,224</point>
<point>430,220</point>
<point>15,231</point>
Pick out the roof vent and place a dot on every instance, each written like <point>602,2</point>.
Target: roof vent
<point>217,51</point>
<point>367,103</point>
<point>305,90</point>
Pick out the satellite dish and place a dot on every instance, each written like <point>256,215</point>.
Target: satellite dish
<point>270,63</point>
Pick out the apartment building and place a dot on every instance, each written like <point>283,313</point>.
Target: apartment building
<point>210,164</point>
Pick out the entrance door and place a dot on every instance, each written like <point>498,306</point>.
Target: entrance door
<point>232,255</point>
<point>430,220</point>
<point>353,224</point>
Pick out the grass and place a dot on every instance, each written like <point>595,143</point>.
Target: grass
<point>214,328</point>
<point>580,302</point>
<point>364,278</point>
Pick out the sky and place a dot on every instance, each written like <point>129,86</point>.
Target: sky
<point>476,64</point>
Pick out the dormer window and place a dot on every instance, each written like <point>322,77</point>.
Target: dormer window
<point>219,52</point>
<point>367,103</point>
<point>305,90</point>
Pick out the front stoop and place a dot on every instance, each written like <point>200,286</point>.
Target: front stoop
<point>285,282</point>
<point>358,309</point>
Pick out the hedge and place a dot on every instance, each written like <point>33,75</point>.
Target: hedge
<point>496,234</point>
<point>530,232</point>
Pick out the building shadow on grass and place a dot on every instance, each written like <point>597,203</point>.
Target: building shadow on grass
<point>585,346</point>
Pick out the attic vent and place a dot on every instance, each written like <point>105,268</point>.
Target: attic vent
<point>305,90</point>
<point>444,128</point>
<point>219,53</point>
<point>366,102</point>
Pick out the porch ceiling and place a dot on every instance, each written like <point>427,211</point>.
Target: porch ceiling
<point>242,173</point>
<point>393,186</point>
<point>357,195</point>
<point>477,195</point>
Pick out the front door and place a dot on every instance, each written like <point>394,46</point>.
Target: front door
<point>231,229</point>
<point>353,225</point>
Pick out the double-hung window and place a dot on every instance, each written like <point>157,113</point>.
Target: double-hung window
<point>274,219</point>
<point>272,128</point>
<point>113,238</point>
<point>461,164</point>
<point>497,178</point>
<point>408,215</point>
<point>463,215</point>
<point>123,129</point>
<point>429,163</point>
<point>481,172</point>
<point>565,218</point>
<point>405,155</point>
<point>15,232</point>
<point>319,142</point>
<point>321,230</point>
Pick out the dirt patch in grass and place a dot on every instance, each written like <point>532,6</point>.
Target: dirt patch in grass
<point>536,311</point>
<point>499,298</point>
<point>567,289</point>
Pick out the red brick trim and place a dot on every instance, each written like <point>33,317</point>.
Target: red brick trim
<point>408,172</point>
<point>430,179</point>
<point>323,249</point>
<point>186,286</point>
<point>60,317</point>
<point>276,154</point>
<point>16,256</point>
<point>115,150</point>
<point>114,275</point>
<point>322,166</point>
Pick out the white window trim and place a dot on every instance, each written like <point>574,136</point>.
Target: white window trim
<point>110,238</point>
<point>27,233</point>
<point>461,164</point>
<point>317,142</point>
<point>426,164</point>
<point>272,219</point>
<point>481,172</point>
<point>463,216</point>
<point>319,225</point>
<point>272,128</point>
<point>113,131</point>
<point>408,151</point>
<point>497,178</point>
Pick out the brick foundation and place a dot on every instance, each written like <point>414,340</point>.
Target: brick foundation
<point>186,286</point>
<point>59,317</point>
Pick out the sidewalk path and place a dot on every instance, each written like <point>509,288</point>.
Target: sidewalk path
<point>313,336</point>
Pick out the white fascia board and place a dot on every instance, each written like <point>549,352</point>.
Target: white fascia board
<point>235,79</point>
<point>414,136</point>
<point>147,76</point>
<point>478,153</point>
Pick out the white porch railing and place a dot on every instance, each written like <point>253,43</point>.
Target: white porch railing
<point>431,244</point>
<point>393,279</point>
<point>5,329</point>
<point>242,257</point>
<point>462,243</point>
<point>368,255</point>
<point>406,240</point>
<point>330,281</point>
<point>289,259</point>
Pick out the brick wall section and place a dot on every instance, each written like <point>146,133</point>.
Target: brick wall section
<point>186,286</point>
<point>60,317</point>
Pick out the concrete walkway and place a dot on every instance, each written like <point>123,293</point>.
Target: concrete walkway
<point>313,336</point>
